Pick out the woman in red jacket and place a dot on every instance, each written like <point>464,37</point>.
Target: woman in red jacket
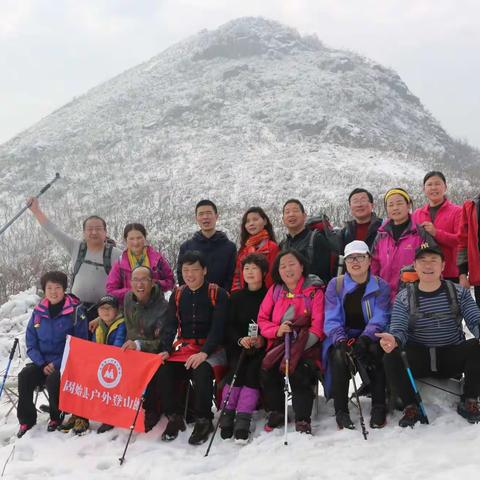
<point>256,236</point>
<point>468,247</point>
<point>441,219</point>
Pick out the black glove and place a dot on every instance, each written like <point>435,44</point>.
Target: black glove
<point>344,346</point>
<point>361,348</point>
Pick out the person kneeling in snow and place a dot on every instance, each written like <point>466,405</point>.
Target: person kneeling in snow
<point>197,314</point>
<point>244,345</point>
<point>427,323</point>
<point>55,317</point>
<point>356,307</point>
<point>292,312</point>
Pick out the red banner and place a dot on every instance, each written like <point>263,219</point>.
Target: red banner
<point>104,383</point>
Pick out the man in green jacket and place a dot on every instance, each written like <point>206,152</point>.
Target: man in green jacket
<point>145,312</point>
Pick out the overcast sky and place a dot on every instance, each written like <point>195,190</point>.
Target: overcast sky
<point>53,50</point>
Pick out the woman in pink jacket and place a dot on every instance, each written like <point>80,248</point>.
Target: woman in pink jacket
<point>441,219</point>
<point>137,254</point>
<point>292,311</point>
<point>397,239</point>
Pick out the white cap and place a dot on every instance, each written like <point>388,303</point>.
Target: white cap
<point>357,246</point>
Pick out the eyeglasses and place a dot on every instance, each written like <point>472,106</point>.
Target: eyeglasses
<point>356,258</point>
<point>94,229</point>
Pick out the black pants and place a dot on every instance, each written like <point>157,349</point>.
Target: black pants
<point>341,376</point>
<point>29,378</point>
<point>451,360</point>
<point>171,373</point>
<point>301,381</point>
<point>477,295</point>
<point>249,371</point>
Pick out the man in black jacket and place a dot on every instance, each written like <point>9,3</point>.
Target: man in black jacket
<point>312,244</point>
<point>217,250</point>
<point>197,314</point>
<point>365,223</point>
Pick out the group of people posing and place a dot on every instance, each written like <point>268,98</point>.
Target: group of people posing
<point>237,322</point>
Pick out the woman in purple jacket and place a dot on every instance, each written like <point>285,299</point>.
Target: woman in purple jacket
<point>137,254</point>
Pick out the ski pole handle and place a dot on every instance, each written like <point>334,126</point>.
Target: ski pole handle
<point>42,191</point>
<point>12,351</point>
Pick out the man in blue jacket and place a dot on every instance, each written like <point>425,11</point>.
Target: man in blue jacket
<point>55,317</point>
<point>218,251</point>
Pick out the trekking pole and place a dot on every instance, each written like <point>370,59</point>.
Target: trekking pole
<point>351,368</point>
<point>42,191</point>
<point>286,387</point>
<point>187,399</point>
<point>10,358</point>
<point>227,398</point>
<point>132,427</point>
<point>418,398</point>
<point>341,261</point>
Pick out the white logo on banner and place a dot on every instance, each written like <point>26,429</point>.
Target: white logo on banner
<point>109,373</point>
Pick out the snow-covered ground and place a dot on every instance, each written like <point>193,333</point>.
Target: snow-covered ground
<point>446,449</point>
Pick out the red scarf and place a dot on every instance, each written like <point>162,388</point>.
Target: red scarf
<point>256,239</point>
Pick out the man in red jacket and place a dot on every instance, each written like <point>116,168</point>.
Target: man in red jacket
<point>468,259</point>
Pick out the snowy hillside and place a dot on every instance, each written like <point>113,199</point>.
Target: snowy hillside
<point>444,450</point>
<point>250,113</point>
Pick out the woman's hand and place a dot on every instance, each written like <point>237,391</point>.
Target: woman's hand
<point>284,328</point>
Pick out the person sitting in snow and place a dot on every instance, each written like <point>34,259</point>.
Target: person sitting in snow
<point>56,316</point>
<point>427,324</point>
<point>244,306</point>
<point>357,305</point>
<point>111,330</point>
<point>146,312</point>
<point>197,312</point>
<point>292,311</point>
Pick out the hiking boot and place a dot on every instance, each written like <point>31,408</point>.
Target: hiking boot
<point>104,427</point>
<point>53,425</point>
<point>378,416</point>
<point>411,415</point>
<point>303,426</point>
<point>343,420</point>
<point>81,426</point>
<point>201,430</point>
<point>275,420</point>
<point>24,428</point>
<point>469,410</point>
<point>151,419</point>
<point>68,425</point>
<point>174,425</point>
<point>226,424</point>
<point>242,427</point>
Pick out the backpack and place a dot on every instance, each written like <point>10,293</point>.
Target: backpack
<point>82,252</point>
<point>339,282</point>
<point>414,305</point>
<point>320,225</point>
<point>212,295</point>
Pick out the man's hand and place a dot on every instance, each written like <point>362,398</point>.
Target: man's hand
<point>195,360</point>
<point>284,328</point>
<point>129,345</point>
<point>387,341</point>
<point>429,228</point>
<point>49,369</point>
<point>463,280</point>
<point>93,324</point>
<point>164,355</point>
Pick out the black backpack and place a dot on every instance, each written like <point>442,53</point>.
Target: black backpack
<point>414,305</point>
<point>82,252</point>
